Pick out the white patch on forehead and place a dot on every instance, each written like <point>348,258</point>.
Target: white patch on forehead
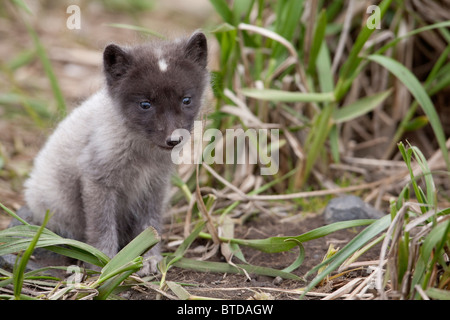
<point>162,65</point>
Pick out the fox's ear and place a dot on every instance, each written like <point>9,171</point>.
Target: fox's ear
<point>197,49</point>
<point>115,62</point>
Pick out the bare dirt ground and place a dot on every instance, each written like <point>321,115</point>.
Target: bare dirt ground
<point>232,286</point>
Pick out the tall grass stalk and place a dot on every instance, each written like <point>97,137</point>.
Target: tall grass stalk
<point>273,74</point>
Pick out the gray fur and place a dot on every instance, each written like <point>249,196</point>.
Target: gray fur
<point>105,171</point>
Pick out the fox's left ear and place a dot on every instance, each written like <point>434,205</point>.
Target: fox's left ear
<point>197,49</point>
<point>116,62</point>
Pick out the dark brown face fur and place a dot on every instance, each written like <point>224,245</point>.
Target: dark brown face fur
<point>158,87</point>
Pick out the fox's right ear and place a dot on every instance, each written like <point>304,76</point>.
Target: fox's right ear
<point>197,49</point>
<point>116,62</point>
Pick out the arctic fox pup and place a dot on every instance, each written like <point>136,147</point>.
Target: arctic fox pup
<point>105,171</point>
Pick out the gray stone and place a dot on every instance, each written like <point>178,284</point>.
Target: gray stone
<point>349,208</point>
<point>25,214</point>
<point>41,259</point>
<point>7,262</point>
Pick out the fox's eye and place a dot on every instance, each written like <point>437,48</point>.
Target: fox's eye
<point>145,105</point>
<point>186,101</point>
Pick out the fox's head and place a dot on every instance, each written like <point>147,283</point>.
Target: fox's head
<point>159,86</point>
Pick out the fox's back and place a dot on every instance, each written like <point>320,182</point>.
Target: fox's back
<point>54,182</point>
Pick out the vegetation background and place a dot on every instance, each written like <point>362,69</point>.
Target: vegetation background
<point>343,92</point>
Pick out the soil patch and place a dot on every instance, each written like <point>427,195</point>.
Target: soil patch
<point>234,286</point>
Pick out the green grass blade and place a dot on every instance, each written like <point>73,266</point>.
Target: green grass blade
<point>126,262</point>
<point>426,172</point>
<point>135,28</point>
<point>10,297</point>
<point>223,10</point>
<point>319,35</point>
<point>18,238</point>
<point>298,262</point>
<point>287,96</point>
<point>444,24</point>
<point>22,5</point>
<point>419,93</point>
<point>289,14</point>
<point>110,285</point>
<point>168,261</point>
<point>316,140</point>
<point>87,255</point>
<point>22,59</point>
<point>355,244</point>
<point>25,231</point>
<point>181,293</point>
<point>359,107</point>
<point>280,244</point>
<point>438,67</point>
<point>326,83</point>
<point>188,241</point>
<point>440,84</point>
<point>407,157</point>
<point>13,214</point>
<point>241,10</point>
<point>435,240</point>
<point>353,60</point>
<point>223,267</point>
<point>324,72</point>
<point>36,109</point>
<point>138,246</point>
<point>178,182</point>
<point>19,269</point>
<point>41,52</point>
<point>431,251</point>
<point>438,294</point>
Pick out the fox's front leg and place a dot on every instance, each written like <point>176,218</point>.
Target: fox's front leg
<point>100,209</point>
<point>151,215</point>
<point>153,256</point>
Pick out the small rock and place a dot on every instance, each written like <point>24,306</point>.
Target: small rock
<point>349,208</point>
<point>7,262</point>
<point>24,213</point>
<point>277,281</point>
<point>41,259</point>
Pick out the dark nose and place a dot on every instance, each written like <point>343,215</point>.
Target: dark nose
<point>172,141</point>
